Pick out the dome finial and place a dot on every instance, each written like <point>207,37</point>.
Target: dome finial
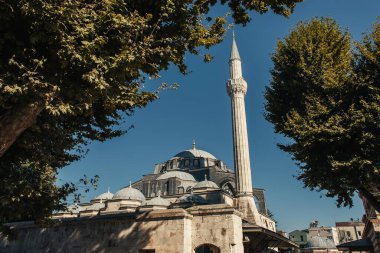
<point>193,144</point>
<point>206,177</point>
<point>130,184</point>
<point>108,189</point>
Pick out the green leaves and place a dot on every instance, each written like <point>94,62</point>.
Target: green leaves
<point>82,65</point>
<point>324,96</point>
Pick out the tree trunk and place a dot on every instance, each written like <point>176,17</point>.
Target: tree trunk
<point>14,122</point>
<point>370,198</point>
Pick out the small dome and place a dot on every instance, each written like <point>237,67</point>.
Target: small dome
<point>191,198</point>
<point>178,174</point>
<point>157,201</point>
<point>129,193</point>
<point>320,242</point>
<point>74,208</point>
<point>96,206</point>
<point>104,196</point>
<point>206,184</point>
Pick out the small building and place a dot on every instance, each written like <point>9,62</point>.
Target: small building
<point>349,230</point>
<point>300,237</point>
<point>329,233</point>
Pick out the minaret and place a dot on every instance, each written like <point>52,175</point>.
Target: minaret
<point>236,89</point>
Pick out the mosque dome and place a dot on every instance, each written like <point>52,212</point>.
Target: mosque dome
<point>320,242</point>
<point>157,201</point>
<point>74,208</point>
<point>206,184</point>
<point>191,198</point>
<point>96,206</point>
<point>104,196</point>
<point>194,153</point>
<point>129,193</point>
<point>178,174</point>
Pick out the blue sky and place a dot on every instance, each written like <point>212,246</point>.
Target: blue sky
<point>200,109</point>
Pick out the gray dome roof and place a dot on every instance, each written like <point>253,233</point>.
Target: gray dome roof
<point>320,242</point>
<point>192,153</point>
<point>96,206</point>
<point>157,201</point>
<point>129,193</point>
<point>191,198</point>
<point>104,196</point>
<point>206,184</point>
<point>74,208</point>
<point>178,174</point>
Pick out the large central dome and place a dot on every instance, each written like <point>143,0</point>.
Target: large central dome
<point>194,153</point>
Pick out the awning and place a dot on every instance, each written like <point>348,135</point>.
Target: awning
<point>258,238</point>
<point>358,245</point>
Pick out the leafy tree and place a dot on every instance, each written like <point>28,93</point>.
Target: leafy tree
<point>70,71</point>
<point>325,98</point>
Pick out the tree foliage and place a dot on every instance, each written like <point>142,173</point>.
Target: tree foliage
<point>70,71</point>
<point>325,98</point>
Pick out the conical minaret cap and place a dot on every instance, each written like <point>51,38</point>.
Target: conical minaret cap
<point>234,50</point>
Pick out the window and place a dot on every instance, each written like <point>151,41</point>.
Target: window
<point>301,237</point>
<point>348,233</point>
<point>359,233</point>
<point>196,163</point>
<point>187,162</point>
<point>207,248</point>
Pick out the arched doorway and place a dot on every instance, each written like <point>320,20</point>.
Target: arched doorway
<point>207,248</point>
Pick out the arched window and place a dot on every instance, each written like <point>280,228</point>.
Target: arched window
<point>228,188</point>
<point>207,248</point>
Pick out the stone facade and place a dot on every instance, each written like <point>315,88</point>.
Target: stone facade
<point>176,231</point>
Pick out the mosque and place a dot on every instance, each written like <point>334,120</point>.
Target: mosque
<point>192,203</point>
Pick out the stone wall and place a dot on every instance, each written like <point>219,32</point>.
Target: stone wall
<point>165,231</point>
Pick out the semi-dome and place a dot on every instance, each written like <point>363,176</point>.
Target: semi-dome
<point>129,193</point>
<point>319,242</point>
<point>104,196</point>
<point>206,184</point>
<point>178,174</point>
<point>157,201</point>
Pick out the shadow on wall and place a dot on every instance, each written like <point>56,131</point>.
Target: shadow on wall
<point>90,234</point>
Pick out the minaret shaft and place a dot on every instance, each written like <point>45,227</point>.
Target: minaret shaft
<point>241,146</point>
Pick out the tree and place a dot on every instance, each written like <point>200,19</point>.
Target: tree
<point>325,98</point>
<point>70,71</point>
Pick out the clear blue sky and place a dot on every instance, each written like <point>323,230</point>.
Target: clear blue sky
<point>200,110</point>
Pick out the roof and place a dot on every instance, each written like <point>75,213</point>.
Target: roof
<point>178,174</point>
<point>320,242</point>
<point>358,245</point>
<point>191,198</point>
<point>257,235</point>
